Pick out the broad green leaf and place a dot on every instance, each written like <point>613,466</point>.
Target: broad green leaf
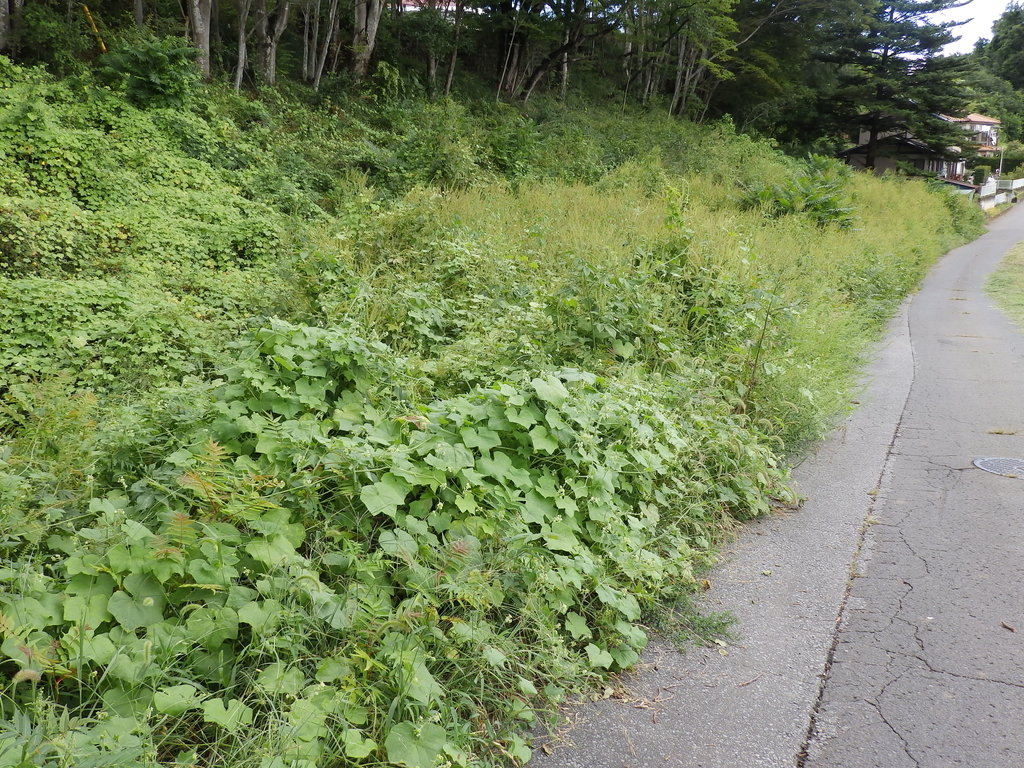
<point>625,657</point>
<point>212,626</point>
<point>398,543</point>
<point>136,531</point>
<point>560,538</point>
<point>501,468</point>
<point>550,390</point>
<point>519,750</point>
<point>24,611</point>
<point>332,669</point>
<point>547,485</point>
<point>633,634</point>
<point>386,496</point>
<point>278,522</point>
<point>262,617</point>
<point>177,699</point>
<point>278,678</point>
<point>205,573</point>
<point>166,566</point>
<point>542,441</point>
<point>576,626</point>
<point>337,610</point>
<point>481,438</point>
<point>88,585</point>
<point>130,665</point>
<point>356,746</point>
<point>537,509</point>
<point>127,701</point>
<point>230,717</point>
<point>421,685</point>
<point>273,551</point>
<point>142,607</point>
<point>87,612</point>
<point>307,721</point>
<point>418,474</point>
<point>494,656</point>
<point>625,603</point>
<point>450,458</point>
<point>97,648</point>
<point>124,559</point>
<point>415,745</point>
<point>599,657</point>
<point>466,502</point>
<point>524,417</point>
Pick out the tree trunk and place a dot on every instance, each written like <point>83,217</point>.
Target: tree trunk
<point>459,6</point>
<point>5,24</point>
<point>677,90</point>
<point>573,39</point>
<point>310,37</point>
<point>364,39</point>
<point>432,76</point>
<point>242,6</point>
<point>565,70</point>
<point>140,14</point>
<point>694,71</point>
<point>199,26</point>
<point>269,28</point>
<point>332,18</point>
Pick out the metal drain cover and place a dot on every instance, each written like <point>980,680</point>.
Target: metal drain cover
<point>1005,467</point>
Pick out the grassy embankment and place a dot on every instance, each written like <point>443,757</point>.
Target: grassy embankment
<point>1006,284</point>
<point>359,433</point>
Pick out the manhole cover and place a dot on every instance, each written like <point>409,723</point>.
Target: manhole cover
<point>1006,467</point>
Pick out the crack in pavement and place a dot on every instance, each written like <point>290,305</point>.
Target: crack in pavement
<point>877,705</point>
<point>883,483</point>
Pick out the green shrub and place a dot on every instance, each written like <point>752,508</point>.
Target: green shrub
<point>816,192</point>
<point>155,72</point>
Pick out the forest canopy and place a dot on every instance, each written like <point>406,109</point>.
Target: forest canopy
<point>805,72</point>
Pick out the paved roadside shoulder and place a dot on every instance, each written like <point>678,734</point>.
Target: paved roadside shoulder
<point>928,668</point>
<point>785,579</point>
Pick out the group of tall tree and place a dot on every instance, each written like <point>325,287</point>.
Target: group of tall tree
<point>802,70</point>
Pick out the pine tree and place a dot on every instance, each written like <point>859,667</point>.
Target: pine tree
<point>892,79</point>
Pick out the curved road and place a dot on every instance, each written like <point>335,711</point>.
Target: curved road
<point>882,626</point>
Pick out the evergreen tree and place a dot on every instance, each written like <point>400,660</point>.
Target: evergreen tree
<point>1004,55</point>
<point>892,79</point>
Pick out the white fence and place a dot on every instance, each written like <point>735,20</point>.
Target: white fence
<point>998,191</point>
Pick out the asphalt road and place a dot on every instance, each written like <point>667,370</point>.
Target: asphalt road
<point>882,625</point>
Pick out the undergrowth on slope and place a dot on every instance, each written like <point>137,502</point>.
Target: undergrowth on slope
<point>363,431</point>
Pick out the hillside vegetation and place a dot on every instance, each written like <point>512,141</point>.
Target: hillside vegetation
<point>360,431</point>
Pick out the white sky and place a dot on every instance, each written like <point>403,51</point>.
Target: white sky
<point>984,14</point>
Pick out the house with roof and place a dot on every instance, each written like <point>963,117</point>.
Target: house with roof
<point>982,132</point>
<point>902,149</point>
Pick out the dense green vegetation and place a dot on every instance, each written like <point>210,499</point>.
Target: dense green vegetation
<point>807,73</point>
<point>1006,284</point>
<point>360,430</point>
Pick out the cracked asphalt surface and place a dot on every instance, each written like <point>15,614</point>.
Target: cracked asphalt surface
<point>882,625</point>
<point>928,668</point>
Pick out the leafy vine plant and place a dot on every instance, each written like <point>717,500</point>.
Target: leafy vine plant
<point>312,561</point>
